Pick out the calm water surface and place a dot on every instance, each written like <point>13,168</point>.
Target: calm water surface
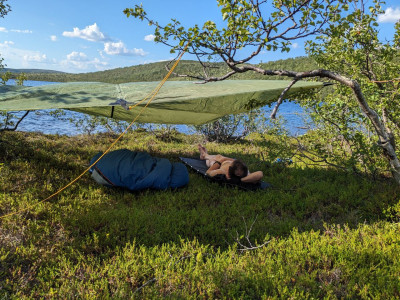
<point>42,121</point>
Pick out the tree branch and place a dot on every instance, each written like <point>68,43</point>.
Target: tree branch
<point>16,125</point>
<point>280,99</point>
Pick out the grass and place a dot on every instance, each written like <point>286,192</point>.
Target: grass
<point>327,233</point>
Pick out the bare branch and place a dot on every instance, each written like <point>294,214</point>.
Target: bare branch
<point>280,99</point>
<point>304,153</point>
<point>318,161</point>
<point>16,125</point>
<point>255,247</point>
<point>154,279</point>
<point>247,236</point>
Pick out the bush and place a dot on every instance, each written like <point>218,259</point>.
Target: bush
<point>328,234</point>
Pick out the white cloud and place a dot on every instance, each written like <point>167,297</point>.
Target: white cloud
<point>35,58</point>
<point>80,61</point>
<point>21,31</point>
<point>295,45</point>
<point>119,48</point>
<point>93,33</point>
<point>7,43</point>
<point>390,16</point>
<point>101,53</point>
<point>22,58</point>
<point>77,56</point>
<point>3,29</point>
<point>90,33</point>
<point>53,38</point>
<point>149,37</point>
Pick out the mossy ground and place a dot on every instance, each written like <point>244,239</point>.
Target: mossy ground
<point>329,234</point>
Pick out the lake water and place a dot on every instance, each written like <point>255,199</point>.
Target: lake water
<point>45,122</point>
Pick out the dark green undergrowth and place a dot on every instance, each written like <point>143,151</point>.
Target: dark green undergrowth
<point>317,233</point>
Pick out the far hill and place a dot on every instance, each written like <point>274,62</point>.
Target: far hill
<point>156,71</point>
<point>30,71</point>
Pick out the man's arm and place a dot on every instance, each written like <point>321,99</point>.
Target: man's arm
<point>215,170</point>
<point>253,177</point>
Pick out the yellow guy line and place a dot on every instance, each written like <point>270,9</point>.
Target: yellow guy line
<point>152,94</point>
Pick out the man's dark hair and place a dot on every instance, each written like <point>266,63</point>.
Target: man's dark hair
<point>238,165</point>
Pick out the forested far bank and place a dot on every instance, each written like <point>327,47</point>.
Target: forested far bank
<point>157,71</point>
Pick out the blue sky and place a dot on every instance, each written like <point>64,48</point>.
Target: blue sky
<point>87,35</point>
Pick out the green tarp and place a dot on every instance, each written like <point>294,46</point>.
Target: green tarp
<point>178,102</point>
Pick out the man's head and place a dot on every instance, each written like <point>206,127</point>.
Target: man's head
<point>238,169</point>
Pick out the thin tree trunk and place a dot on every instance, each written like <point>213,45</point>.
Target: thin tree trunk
<point>385,141</point>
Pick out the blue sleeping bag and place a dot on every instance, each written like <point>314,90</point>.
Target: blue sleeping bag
<point>139,170</point>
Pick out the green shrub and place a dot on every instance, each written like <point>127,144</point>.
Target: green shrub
<point>326,233</point>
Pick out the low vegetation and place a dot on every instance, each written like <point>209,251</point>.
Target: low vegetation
<point>327,228</point>
<point>317,233</point>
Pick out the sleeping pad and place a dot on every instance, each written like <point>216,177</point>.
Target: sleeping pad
<point>138,170</point>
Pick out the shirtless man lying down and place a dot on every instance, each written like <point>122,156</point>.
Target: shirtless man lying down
<point>230,167</point>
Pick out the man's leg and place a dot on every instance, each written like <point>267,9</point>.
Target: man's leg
<point>202,150</point>
<point>210,159</point>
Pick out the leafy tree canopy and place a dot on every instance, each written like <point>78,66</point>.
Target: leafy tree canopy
<point>342,36</point>
<point>4,8</point>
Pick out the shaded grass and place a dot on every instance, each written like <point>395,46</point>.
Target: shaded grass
<point>331,233</point>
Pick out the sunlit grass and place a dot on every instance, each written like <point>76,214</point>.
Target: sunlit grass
<point>329,233</point>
